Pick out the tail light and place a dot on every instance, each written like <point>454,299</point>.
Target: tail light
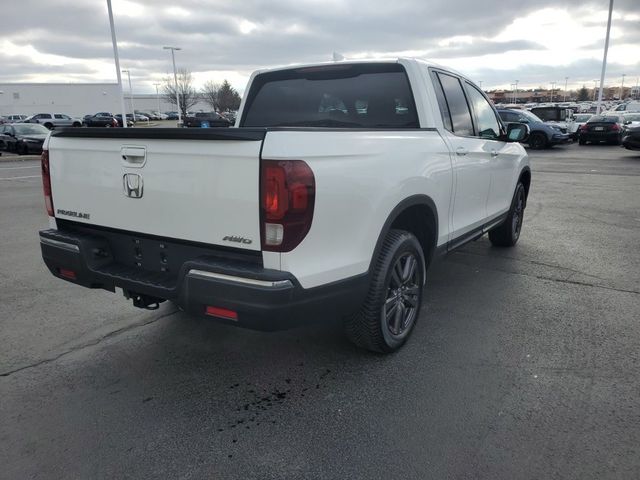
<point>46,182</point>
<point>584,128</point>
<point>287,197</point>
<point>615,127</point>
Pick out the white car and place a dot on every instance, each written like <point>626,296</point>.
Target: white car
<point>53,120</point>
<point>576,122</point>
<point>340,185</point>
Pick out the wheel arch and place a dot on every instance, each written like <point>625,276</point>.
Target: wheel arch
<point>525,178</point>
<point>417,214</point>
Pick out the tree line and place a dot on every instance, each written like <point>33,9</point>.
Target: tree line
<point>220,97</point>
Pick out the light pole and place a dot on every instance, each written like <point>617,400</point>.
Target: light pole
<point>604,58</point>
<point>553,90</point>
<point>565,89</point>
<point>515,95</point>
<point>117,62</point>
<point>622,87</point>
<point>133,111</point>
<point>158,96</point>
<point>175,80</point>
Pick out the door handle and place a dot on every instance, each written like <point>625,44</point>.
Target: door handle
<point>461,151</point>
<point>133,156</point>
<point>494,153</point>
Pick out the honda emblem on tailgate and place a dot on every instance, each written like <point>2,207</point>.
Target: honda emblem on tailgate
<point>132,183</point>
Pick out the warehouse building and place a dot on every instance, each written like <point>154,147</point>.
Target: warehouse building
<point>76,99</point>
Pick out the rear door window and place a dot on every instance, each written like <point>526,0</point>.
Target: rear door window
<point>339,96</point>
<point>456,99</point>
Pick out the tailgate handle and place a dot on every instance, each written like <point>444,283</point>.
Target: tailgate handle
<point>133,156</point>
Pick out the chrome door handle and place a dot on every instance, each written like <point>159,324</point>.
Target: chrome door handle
<point>461,151</point>
<point>494,153</point>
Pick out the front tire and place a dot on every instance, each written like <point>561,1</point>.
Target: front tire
<point>538,141</point>
<point>391,308</point>
<point>508,233</point>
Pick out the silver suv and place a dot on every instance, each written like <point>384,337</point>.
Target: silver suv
<point>52,120</point>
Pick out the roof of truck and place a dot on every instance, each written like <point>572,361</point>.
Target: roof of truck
<point>359,61</point>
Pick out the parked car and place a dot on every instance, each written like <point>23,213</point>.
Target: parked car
<point>632,119</point>
<point>101,120</point>
<point>601,128</point>
<point>630,138</point>
<point>22,138</point>
<point>287,225</point>
<point>542,135</point>
<point>205,120</point>
<point>172,115</point>
<point>141,117</point>
<point>554,115</point>
<point>15,118</point>
<point>130,122</point>
<point>52,120</point>
<point>626,107</point>
<point>579,119</point>
<point>160,116</point>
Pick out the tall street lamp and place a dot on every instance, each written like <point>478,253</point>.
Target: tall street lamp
<point>175,80</point>
<point>553,91</point>
<point>622,87</point>
<point>158,96</point>
<point>515,95</point>
<point>133,110</point>
<point>117,62</point>
<point>565,88</point>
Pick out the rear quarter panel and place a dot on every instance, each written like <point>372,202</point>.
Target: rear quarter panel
<point>360,177</point>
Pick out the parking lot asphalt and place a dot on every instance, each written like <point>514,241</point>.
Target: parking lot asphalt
<point>525,363</point>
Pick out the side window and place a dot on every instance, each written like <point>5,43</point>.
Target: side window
<point>43,116</point>
<point>457,103</point>
<point>488,126</point>
<point>442,102</point>
<point>59,116</point>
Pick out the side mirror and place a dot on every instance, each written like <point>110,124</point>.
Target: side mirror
<point>517,132</point>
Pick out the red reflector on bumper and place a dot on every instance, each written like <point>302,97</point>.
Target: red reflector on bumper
<point>70,274</point>
<point>222,313</point>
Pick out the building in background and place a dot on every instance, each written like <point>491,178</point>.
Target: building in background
<point>76,99</point>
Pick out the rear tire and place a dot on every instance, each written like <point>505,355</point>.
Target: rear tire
<point>508,233</point>
<point>538,141</point>
<point>392,306</point>
<point>581,142</point>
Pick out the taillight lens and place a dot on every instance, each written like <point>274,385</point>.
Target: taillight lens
<point>615,127</point>
<point>46,182</point>
<point>584,128</point>
<point>287,198</point>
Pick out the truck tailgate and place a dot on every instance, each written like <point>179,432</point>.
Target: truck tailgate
<point>199,186</point>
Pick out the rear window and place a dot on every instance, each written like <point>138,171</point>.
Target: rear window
<point>604,119</point>
<point>339,96</point>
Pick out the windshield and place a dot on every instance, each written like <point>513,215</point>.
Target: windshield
<point>340,96</point>
<point>27,129</point>
<point>632,118</point>
<point>581,118</point>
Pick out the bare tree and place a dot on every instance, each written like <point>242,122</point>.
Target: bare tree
<point>209,94</point>
<point>186,91</point>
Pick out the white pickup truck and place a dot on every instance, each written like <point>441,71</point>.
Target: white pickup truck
<point>331,196</point>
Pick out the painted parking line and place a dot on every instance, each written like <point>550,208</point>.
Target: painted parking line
<point>19,178</point>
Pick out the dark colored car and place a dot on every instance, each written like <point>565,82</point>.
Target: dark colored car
<point>206,120</point>
<point>22,138</point>
<point>101,120</point>
<point>118,118</point>
<point>542,135</point>
<point>171,115</point>
<point>601,128</point>
<point>631,137</point>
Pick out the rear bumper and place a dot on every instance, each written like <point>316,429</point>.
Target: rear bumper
<point>261,299</point>
<point>600,137</point>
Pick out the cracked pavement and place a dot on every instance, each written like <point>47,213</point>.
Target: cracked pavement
<point>524,363</point>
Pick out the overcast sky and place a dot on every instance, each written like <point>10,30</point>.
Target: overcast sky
<point>536,42</point>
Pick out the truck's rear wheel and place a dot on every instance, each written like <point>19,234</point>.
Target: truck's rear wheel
<point>508,233</point>
<point>392,306</point>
